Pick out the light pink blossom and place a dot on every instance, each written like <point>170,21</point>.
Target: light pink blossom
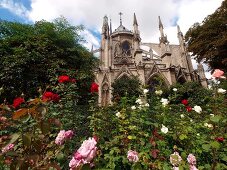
<point>74,163</point>
<point>218,73</point>
<point>8,148</point>
<point>60,138</point>
<point>132,156</point>
<point>88,149</point>
<point>192,162</point>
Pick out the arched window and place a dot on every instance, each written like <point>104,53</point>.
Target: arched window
<point>156,82</point>
<point>126,48</point>
<point>181,80</point>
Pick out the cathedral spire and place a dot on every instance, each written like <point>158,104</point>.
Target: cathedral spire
<point>110,27</point>
<point>92,48</point>
<point>181,39</point>
<point>105,27</point>
<point>135,20</point>
<point>160,26</point>
<point>163,38</point>
<point>120,13</point>
<point>178,29</point>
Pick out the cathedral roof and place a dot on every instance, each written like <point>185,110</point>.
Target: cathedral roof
<point>122,29</point>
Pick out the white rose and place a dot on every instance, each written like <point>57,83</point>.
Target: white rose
<point>210,126</point>
<point>222,91</point>
<point>164,129</point>
<point>164,102</point>
<point>175,89</point>
<point>118,114</point>
<point>198,109</point>
<point>210,87</point>
<point>147,105</point>
<point>139,101</point>
<point>158,92</point>
<point>133,107</point>
<point>145,91</point>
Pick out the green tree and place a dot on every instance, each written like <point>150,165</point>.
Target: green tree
<point>208,40</point>
<point>32,56</point>
<point>126,87</point>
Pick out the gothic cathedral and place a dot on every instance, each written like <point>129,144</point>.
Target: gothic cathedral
<point>122,53</point>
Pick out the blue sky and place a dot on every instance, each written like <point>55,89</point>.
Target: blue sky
<point>6,14</point>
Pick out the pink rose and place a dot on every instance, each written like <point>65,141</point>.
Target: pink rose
<point>69,134</point>
<point>74,163</point>
<point>88,149</point>
<point>217,73</point>
<point>7,148</point>
<point>192,162</point>
<point>77,155</point>
<point>132,156</point>
<point>60,138</point>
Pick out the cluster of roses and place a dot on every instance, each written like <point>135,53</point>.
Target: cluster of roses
<point>63,136</point>
<point>50,96</point>
<point>175,160</point>
<point>185,103</point>
<point>85,154</point>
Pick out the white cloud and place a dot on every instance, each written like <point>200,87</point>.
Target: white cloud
<point>14,7</point>
<point>90,13</point>
<point>90,40</point>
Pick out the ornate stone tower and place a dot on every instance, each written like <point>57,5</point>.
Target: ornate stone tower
<point>123,54</point>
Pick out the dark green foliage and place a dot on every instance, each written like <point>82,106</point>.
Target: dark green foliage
<point>32,56</point>
<point>192,91</point>
<point>126,86</point>
<point>208,40</point>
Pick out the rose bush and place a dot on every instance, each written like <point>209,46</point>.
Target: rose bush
<point>179,129</point>
<point>189,120</point>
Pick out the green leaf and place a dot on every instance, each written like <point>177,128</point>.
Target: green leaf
<point>14,137</point>
<point>26,139</point>
<point>137,166</point>
<point>215,145</point>
<point>215,119</point>
<point>45,127</point>
<point>130,137</point>
<point>183,136</point>
<point>206,147</point>
<point>86,167</point>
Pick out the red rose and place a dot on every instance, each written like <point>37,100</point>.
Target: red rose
<point>55,98</point>
<point>189,108</point>
<point>184,102</point>
<point>94,87</point>
<point>63,79</point>
<point>50,96</point>
<point>17,102</point>
<point>47,96</point>
<point>219,139</point>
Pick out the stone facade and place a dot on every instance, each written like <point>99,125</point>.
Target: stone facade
<point>122,53</point>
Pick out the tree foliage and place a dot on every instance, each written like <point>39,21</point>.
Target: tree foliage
<point>32,56</point>
<point>208,40</point>
<point>126,86</point>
